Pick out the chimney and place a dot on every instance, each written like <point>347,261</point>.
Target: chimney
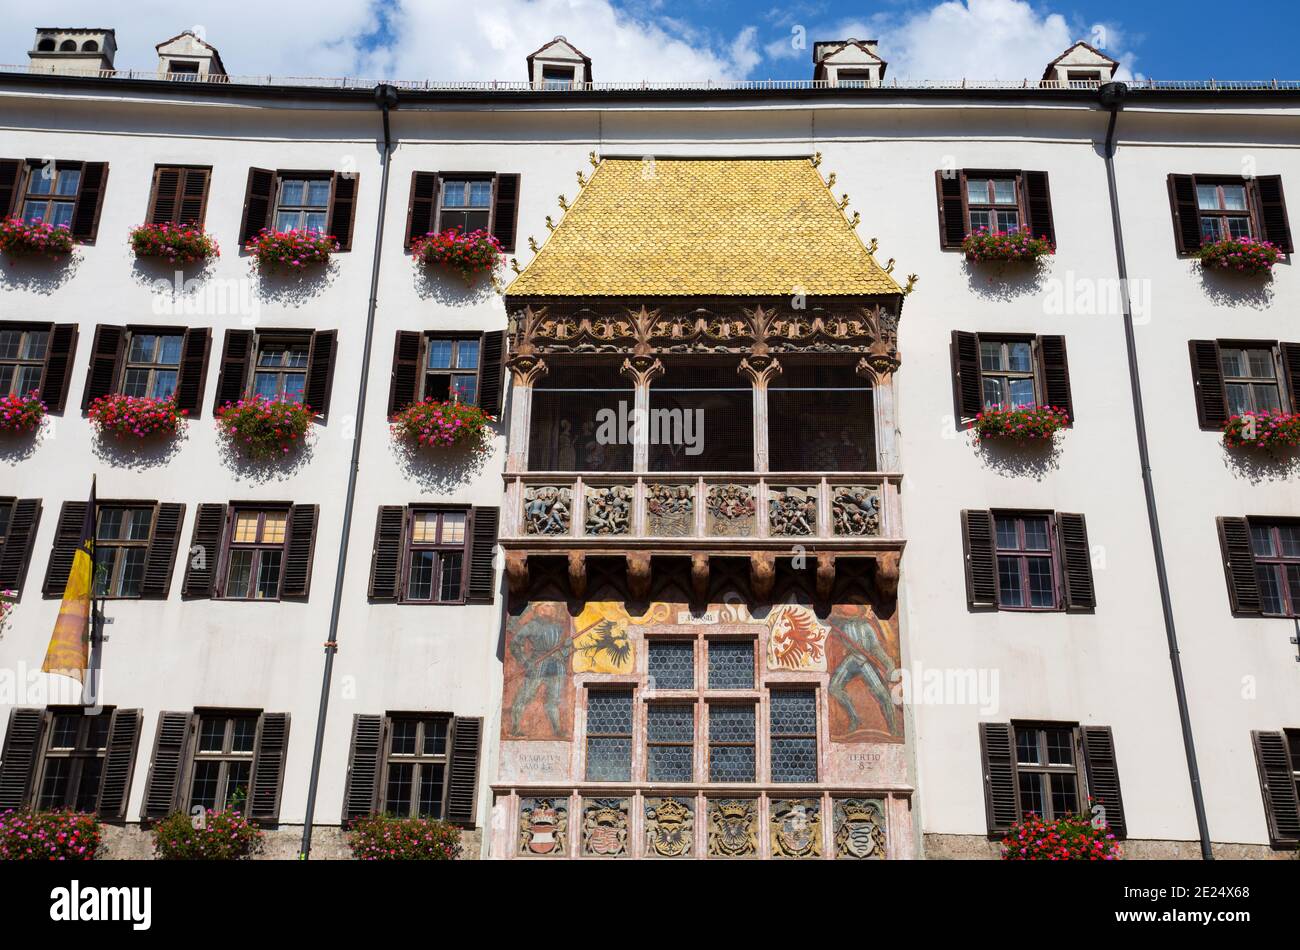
<point>559,65</point>
<point>187,56</point>
<point>72,50</point>
<point>850,63</point>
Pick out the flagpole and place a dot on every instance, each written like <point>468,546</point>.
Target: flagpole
<point>91,692</point>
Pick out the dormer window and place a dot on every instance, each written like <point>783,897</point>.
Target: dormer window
<point>68,46</point>
<point>90,46</point>
<point>1083,75</point>
<point>557,77</point>
<point>854,78</point>
<point>183,66</point>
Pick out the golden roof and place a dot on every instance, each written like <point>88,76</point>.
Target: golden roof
<point>703,227</point>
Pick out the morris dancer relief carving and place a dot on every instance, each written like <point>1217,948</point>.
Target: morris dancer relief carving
<point>609,510</point>
<point>855,510</point>
<point>792,512</point>
<point>548,509</point>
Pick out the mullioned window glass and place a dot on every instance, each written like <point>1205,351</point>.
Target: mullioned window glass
<point>731,664</point>
<point>1250,378</point>
<point>671,666</point>
<point>731,743</point>
<point>152,364</point>
<point>609,736</point>
<point>670,740</point>
<point>793,714</point>
<point>1007,374</point>
<point>22,360</point>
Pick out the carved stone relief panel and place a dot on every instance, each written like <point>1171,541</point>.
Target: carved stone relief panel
<point>548,509</point>
<point>733,827</point>
<point>543,827</point>
<point>670,509</point>
<point>860,829</point>
<point>604,827</point>
<point>609,509</point>
<point>732,511</point>
<point>792,512</point>
<point>669,827</point>
<point>796,827</point>
<point>855,510</point>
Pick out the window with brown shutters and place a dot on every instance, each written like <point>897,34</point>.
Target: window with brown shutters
<point>1277,756</point>
<point>433,555</point>
<point>447,367</point>
<point>136,547</point>
<point>285,200</point>
<point>293,365</point>
<point>1027,560</point>
<point>1231,377</point>
<point>996,200</point>
<point>37,357</point>
<point>179,195</point>
<point>153,362</point>
<point>68,194</point>
<point>203,557</point>
<point>1261,560</point>
<point>265,551</point>
<point>465,201</point>
<point>19,756</point>
<point>1208,208</point>
<point>67,538</point>
<point>1008,371</point>
<point>19,519</point>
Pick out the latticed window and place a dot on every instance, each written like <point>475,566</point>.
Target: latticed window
<point>1224,210</point>
<point>74,760</point>
<point>152,363</point>
<point>223,761</point>
<point>731,664</point>
<point>731,742</point>
<point>122,542</point>
<point>671,665</point>
<point>416,780</point>
<point>993,203</point>
<point>793,717</point>
<point>1026,561</point>
<point>609,735</point>
<point>22,360</point>
<point>670,742</point>
<point>1047,771</point>
<point>1276,546</point>
<point>303,204</point>
<point>1250,379</point>
<point>820,418</point>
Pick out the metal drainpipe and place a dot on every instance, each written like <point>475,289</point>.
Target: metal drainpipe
<point>1112,98</point>
<point>385,99</point>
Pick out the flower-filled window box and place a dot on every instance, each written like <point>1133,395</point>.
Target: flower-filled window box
<point>19,238</point>
<point>1015,246</point>
<point>1263,430</point>
<point>474,253</point>
<point>136,417</point>
<point>1240,255</point>
<point>48,836</point>
<point>440,424</point>
<point>1028,424</point>
<point>291,250</point>
<point>213,836</point>
<point>7,598</point>
<point>1071,838</point>
<point>384,838</point>
<point>21,414</point>
<point>263,429</point>
<point>174,243</point>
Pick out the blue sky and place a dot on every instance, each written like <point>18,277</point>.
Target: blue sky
<point>686,39</point>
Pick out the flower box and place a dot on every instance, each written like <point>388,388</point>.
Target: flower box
<point>1028,424</point>
<point>1263,430</point>
<point>1016,246</point>
<point>1072,838</point>
<point>7,599</point>
<point>48,836</point>
<point>19,238</point>
<point>384,838</point>
<point>440,424</point>
<point>264,429</point>
<point>1240,256</point>
<point>473,253</point>
<point>174,243</point>
<point>136,417</point>
<point>291,250</point>
<point>21,414</point>
<point>213,836</point>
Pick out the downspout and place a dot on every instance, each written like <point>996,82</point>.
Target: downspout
<point>1112,98</point>
<point>385,99</point>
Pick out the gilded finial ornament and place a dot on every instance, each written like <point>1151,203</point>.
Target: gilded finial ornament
<point>911,283</point>
<point>816,159</point>
<point>830,180</point>
<point>844,201</point>
<point>591,157</point>
<point>857,219</point>
<point>514,266</point>
<point>532,244</point>
<point>550,225</point>
<point>875,243</point>
<point>564,203</point>
<point>582,179</point>
<point>889,268</point>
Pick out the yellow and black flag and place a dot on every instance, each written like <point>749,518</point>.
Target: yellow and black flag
<point>69,651</point>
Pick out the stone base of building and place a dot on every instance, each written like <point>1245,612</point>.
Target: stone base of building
<point>977,847</point>
<point>328,843</point>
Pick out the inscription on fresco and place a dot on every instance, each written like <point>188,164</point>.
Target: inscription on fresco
<point>545,762</point>
<point>864,761</point>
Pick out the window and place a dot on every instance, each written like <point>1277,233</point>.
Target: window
<point>1083,75</point>
<point>793,723</point>
<point>1208,208</point>
<point>1026,564</point>
<point>1276,546</point>
<point>74,760</point>
<point>436,557</point>
<point>1007,373</point>
<point>415,781</point>
<point>465,205</point>
<point>731,742</point>
<point>993,203</point>
<point>670,742</point>
<point>1047,771</point>
<point>609,735</point>
<point>853,78</point>
<point>558,77</point>
<point>671,665</point>
<point>152,365</point>
<point>451,370</point>
<point>190,67</point>
<point>998,200</point>
<point>1224,210</point>
<point>22,360</point>
<point>820,418</point>
<point>281,370</point>
<point>1250,379</point>
<point>302,204</point>
<point>255,554</point>
<point>731,664</point>
<point>223,761</point>
<point>701,419</point>
<point>50,193</point>
<point>122,547</point>
<point>564,435</point>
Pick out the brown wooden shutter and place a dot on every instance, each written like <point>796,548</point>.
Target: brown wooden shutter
<point>236,360</point>
<point>1207,381</point>
<point>966,376</point>
<point>57,376</point>
<point>160,559</point>
<point>1103,776</point>
<point>119,762</point>
<point>482,549</point>
<point>298,550</point>
<point>193,208</point>
<point>343,208</point>
<point>18,759</point>
<point>981,564</point>
<point>1076,562</point>
<point>1187,216</point>
<point>171,750</point>
<point>165,198</point>
<point>422,206</point>
<point>1291,365</point>
<point>386,556</point>
<point>106,354</point>
<point>192,374</point>
<point>67,538</point>
<point>203,558</point>
<point>258,199</point>
<point>365,758</point>
<point>462,780</point>
<point>1239,566</point>
<point>1001,803</point>
<point>19,541</point>
<point>269,752</point>
<point>505,211</point>
<point>952,208</point>
<point>1055,367</point>
<point>90,201</point>
<point>1038,202</point>
<point>1271,208</point>
<point>404,385</point>
<point>491,372</point>
<point>320,372</point>
<point>1277,784</point>
<point>11,176</point>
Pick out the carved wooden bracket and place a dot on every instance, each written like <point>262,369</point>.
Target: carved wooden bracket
<point>700,577</point>
<point>517,572</point>
<point>578,574</point>
<point>887,563</point>
<point>642,369</point>
<point>638,574</point>
<point>527,370</point>
<point>759,370</point>
<point>762,574</point>
<point>825,575</point>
